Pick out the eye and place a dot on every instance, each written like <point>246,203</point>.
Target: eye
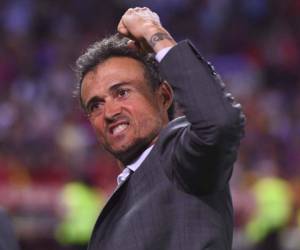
<point>122,93</point>
<point>94,108</point>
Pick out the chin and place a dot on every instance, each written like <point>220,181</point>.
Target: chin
<point>129,153</point>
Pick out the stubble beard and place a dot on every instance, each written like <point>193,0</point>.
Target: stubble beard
<point>128,153</point>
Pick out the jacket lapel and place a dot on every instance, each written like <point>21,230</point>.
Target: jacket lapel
<point>112,200</point>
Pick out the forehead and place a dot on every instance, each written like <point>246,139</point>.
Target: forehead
<point>112,71</point>
<point>117,67</point>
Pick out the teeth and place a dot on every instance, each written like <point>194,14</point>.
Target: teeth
<point>120,128</point>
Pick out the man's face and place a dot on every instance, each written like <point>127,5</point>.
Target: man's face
<point>125,112</point>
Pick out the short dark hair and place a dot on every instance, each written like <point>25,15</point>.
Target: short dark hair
<point>117,46</point>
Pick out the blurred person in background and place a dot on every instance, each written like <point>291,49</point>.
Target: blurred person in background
<point>8,239</point>
<point>272,212</point>
<point>80,204</point>
<point>173,192</point>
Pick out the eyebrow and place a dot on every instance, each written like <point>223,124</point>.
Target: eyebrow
<point>92,100</point>
<point>114,87</point>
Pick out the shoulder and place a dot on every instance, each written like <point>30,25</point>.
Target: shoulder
<point>172,131</point>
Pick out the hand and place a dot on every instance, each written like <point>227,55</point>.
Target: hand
<point>143,26</point>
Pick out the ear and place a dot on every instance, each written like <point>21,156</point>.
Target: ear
<point>165,95</point>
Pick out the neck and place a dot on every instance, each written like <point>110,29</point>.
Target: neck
<point>134,156</point>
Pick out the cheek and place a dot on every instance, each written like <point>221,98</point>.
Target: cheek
<point>148,120</point>
<point>97,125</point>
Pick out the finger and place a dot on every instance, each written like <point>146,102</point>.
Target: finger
<point>130,10</point>
<point>133,45</point>
<point>138,8</point>
<point>122,28</point>
<point>141,8</point>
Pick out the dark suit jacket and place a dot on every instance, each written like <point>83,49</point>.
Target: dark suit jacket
<point>7,236</point>
<point>179,198</point>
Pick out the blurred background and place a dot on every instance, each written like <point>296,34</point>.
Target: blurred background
<point>55,178</point>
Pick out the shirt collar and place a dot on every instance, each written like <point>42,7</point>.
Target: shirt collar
<point>137,163</point>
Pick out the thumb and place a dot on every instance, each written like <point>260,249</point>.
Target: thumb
<point>122,29</point>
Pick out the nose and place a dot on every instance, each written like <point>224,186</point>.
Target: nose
<point>111,110</point>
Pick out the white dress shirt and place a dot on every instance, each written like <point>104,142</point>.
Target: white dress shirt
<point>161,54</point>
<point>133,166</point>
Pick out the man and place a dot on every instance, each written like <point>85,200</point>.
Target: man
<point>7,235</point>
<point>173,192</point>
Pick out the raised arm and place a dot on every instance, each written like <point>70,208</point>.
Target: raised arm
<point>206,147</point>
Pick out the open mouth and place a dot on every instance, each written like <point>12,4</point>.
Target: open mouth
<point>118,128</point>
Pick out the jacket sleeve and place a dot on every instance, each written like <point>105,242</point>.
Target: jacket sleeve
<point>205,150</point>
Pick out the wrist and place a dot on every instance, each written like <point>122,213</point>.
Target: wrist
<point>158,38</point>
